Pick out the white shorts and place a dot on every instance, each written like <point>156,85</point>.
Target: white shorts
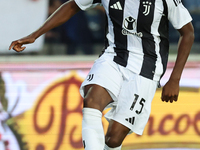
<point>132,93</point>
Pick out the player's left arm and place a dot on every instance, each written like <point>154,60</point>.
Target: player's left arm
<point>170,90</point>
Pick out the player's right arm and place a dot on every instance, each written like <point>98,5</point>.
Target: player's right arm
<point>60,16</point>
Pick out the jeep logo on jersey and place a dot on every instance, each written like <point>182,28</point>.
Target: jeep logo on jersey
<point>147,7</point>
<point>129,27</point>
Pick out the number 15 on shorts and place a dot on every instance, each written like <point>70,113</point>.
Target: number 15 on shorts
<point>142,101</point>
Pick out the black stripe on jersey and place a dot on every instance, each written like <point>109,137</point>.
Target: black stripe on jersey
<point>106,44</point>
<point>164,36</point>
<point>96,1</point>
<point>106,32</point>
<point>145,20</point>
<point>120,40</point>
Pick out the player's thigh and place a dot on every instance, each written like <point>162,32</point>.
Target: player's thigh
<point>96,97</point>
<point>102,84</point>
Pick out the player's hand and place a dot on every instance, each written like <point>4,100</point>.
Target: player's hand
<point>170,91</point>
<point>18,44</point>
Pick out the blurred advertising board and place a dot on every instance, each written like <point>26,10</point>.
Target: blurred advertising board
<point>20,18</point>
<point>45,106</point>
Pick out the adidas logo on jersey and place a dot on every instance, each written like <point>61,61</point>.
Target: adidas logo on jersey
<point>130,120</point>
<point>117,6</point>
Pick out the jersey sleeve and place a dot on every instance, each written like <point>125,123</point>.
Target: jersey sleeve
<point>178,15</point>
<point>87,4</point>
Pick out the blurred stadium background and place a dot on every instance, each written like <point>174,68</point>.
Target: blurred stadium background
<point>40,86</point>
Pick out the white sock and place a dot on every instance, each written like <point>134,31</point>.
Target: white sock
<point>92,129</point>
<point>116,148</point>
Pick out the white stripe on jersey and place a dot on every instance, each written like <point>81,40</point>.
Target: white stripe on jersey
<point>158,13</point>
<point>159,67</point>
<point>134,42</point>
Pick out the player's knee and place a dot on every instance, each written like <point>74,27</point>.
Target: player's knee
<point>112,141</point>
<point>90,102</point>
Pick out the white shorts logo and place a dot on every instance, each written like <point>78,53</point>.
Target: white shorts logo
<point>90,77</point>
<point>147,7</point>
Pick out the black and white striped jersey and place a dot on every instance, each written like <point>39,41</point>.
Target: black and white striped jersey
<point>138,32</point>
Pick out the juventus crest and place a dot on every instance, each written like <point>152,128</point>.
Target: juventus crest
<point>147,7</point>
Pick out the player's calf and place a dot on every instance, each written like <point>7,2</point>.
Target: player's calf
<point>116,134</point>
